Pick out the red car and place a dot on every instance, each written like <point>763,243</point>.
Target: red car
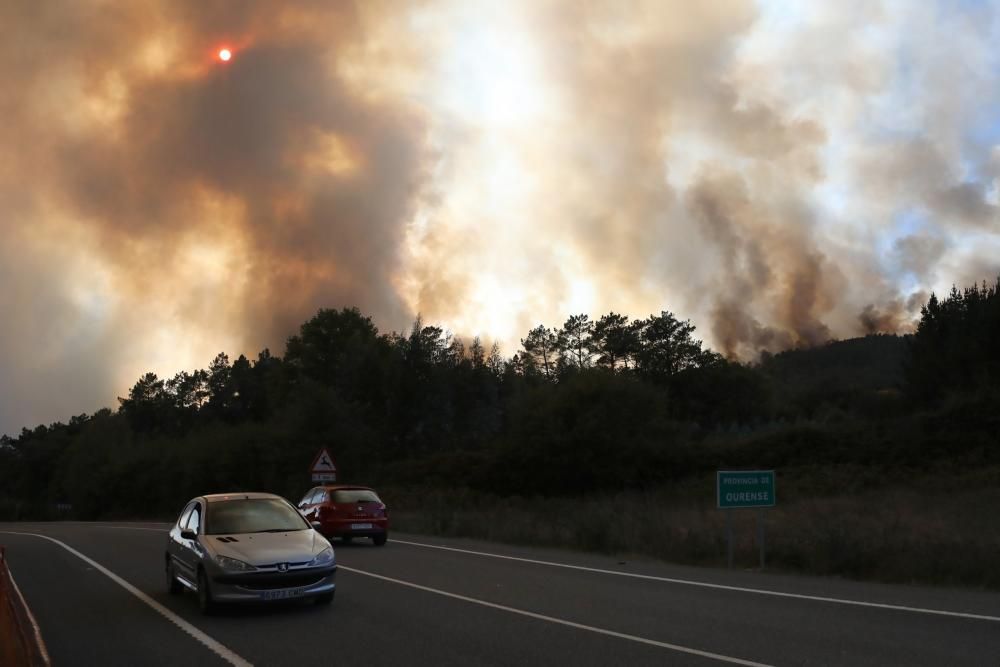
<point>347,512</point>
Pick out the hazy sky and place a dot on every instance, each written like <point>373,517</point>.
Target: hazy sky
<point>782,173</point>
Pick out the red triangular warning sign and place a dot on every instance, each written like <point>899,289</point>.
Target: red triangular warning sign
<point>323,462</point>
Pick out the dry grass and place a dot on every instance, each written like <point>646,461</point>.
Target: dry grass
<point>898,535</point>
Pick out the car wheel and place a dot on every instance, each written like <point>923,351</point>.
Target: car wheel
<point>173,586</point>
<point>325,598</point>
<point>379,540</point>
<point>346,539</point>
<point>205,601</point>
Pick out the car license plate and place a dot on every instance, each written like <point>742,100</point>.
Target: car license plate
<point>361,526</point>
<point>281,594</point>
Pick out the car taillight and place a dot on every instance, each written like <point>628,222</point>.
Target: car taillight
<point>385,511</point>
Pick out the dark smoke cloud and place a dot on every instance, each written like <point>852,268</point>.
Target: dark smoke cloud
<point>895,316</point>
<point>966,202</point>
<point>242,131</point>
<point>920,170</point>
<point>766,264</point>
<point>919,254</point>
<point>232,199</point>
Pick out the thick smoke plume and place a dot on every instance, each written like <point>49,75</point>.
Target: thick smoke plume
<point>781,173</point>
<point>160,204</point>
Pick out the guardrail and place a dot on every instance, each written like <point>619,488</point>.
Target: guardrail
<point>20,639</point>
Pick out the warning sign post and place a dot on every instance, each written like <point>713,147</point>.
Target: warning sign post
<point>323,468</point>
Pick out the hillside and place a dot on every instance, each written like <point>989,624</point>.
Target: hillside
<point>639,409</point>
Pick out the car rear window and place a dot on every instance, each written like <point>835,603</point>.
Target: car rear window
<point>355,496</point>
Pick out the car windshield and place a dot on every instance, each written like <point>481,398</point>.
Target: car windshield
<point>355,496</point>
<point>252,515</point>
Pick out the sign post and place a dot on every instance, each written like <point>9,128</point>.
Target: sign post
<point>323,468</point>
<point>760,534</point>
<point>743,489</point>
<point>729,539</point>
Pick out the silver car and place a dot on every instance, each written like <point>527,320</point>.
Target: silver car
<point>242,547</point>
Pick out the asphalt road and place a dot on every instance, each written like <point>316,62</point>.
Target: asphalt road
<point>413,602</point>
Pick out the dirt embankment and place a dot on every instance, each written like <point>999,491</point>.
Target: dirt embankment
<point>20,638</point>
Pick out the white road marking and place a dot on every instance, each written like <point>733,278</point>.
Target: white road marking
<point>31,617</point>
<point>561,621</point>
<point>705,584</point>
<point>123,524</point>
<point>687,582</point>
<point>220,650</point>
<point>105,524</point>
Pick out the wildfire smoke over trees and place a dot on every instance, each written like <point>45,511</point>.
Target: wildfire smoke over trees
<point>599,404</point>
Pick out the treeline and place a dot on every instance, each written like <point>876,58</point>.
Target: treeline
<point>595,405</point>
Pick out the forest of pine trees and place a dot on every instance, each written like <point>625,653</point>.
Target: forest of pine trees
<point>594,405</point>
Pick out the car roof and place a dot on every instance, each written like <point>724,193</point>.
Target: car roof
<point>242,495</point>
<point>339,487</point>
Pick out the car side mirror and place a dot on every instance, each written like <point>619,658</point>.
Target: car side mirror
<point>302,506</point>
<point>316,524</point>
<point>187,534</point>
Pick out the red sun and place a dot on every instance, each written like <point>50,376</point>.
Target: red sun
<point>225,55</point>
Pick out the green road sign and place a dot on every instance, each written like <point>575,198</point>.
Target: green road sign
<point>745,488</point>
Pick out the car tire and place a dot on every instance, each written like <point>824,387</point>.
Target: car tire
<point>325,598</point>
<point>380,540</point>
<point>207,605</point>
<point>173,586</point>
<point>346,539</point>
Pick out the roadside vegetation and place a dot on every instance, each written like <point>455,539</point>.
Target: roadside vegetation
<point>890,534</point>
<point>601,435</point>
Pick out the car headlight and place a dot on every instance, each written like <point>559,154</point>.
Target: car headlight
<point>234,565</point>
<point>324,557</point>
